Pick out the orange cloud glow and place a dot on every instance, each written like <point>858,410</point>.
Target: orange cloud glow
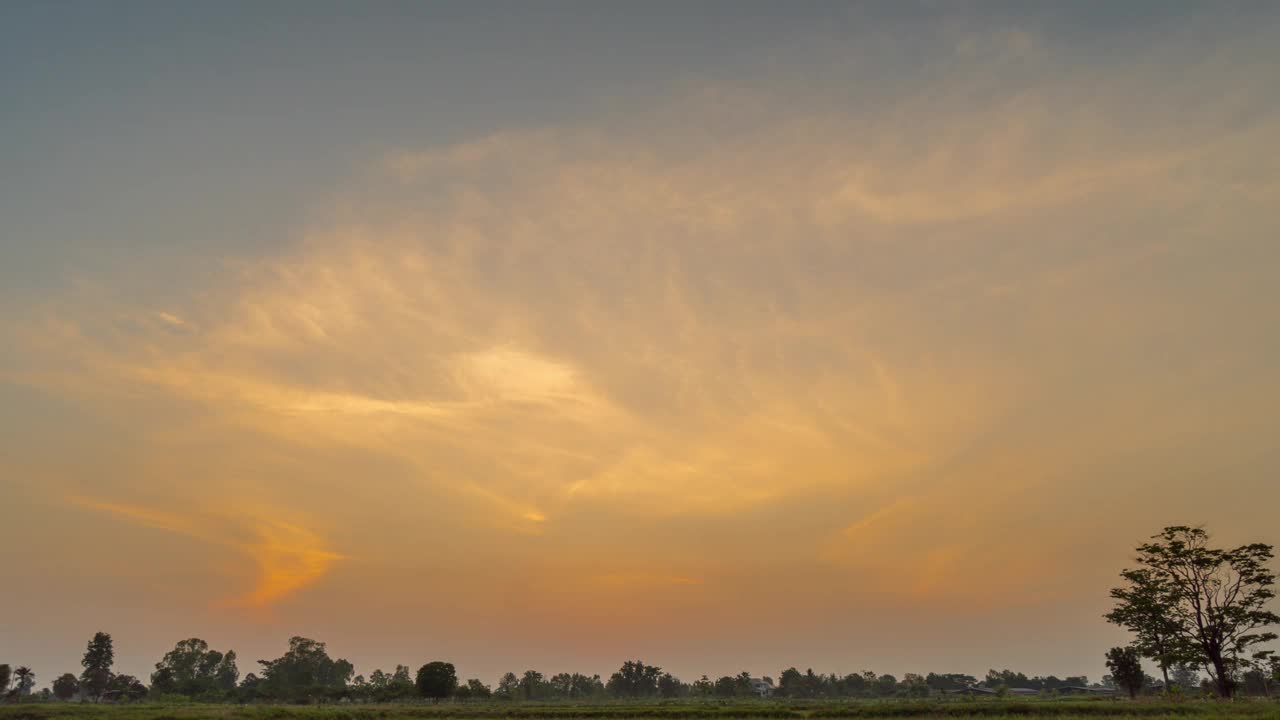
<point>287,557</point>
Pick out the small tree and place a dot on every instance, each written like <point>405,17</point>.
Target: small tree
<point>1147,607</point>
<point>1126,669</point>
<point>1267,666</point>
<point>65,686</point>
<point>669,686</point>
<point>479,690</point>
<point>508,686</point>
<point>126,687</point>
<point>1185,678</point>
<point>25,679</point>
<point>437,680</point>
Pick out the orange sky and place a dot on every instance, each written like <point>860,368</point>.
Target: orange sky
<point>736,375</point>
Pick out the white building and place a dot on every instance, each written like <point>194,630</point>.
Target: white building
<point>762,686</point>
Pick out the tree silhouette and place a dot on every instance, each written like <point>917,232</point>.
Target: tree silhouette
<point>1126,669</point>
<point>1215,600</point>
<point>437,680</point>
<point>1147,607</point>
<point>97,661</point>
<point>24,679</point>
<point>65,686</point>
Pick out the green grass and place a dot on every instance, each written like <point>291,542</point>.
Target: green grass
<point>1210,710</point>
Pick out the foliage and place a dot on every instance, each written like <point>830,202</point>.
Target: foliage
<point>950,681</point>
<point>65,686</point>
<point>1126,669</point>
<point>533,686</point>
<point>508,686</point>
<point>97,661</point>
<point>472,689</point>
<point>1147,607</point>
<point>576,686</point>
<point>1213,601</point>
<point>192,669</point>
<point>634,679</point>
<point>305,672</point>
<point>437,680</point>
<point>126,687</point>
<point>1185,678</point>
<point>24,679</point>
<point>669,686</point>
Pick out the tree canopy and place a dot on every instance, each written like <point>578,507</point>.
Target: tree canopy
<point>1126,669</point>
<point>192,669</point>
<point>1189,602</point>
<point>65,686</point>
<point>306,670</point>
<point>97,661</point>
<point>437,680</point>
<point>635,679</point>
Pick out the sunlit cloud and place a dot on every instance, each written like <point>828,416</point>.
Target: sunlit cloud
<point>287,557</point>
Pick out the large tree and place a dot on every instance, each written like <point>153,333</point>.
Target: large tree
<point>305,670</point>
<point>6,674</point>
<point>191,669</point>
<point>98,657</point>
<point>1125,665</point>
<point>437,680</point>
<point>635,679</point>
<point>1214,600</point>
<point>1147,606</point>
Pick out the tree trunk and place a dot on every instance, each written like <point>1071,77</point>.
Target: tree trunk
<point>1223,678</point>
<point>1164,670</point>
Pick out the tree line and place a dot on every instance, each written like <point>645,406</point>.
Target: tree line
<point>1190,607</point>
<point>306,673</point>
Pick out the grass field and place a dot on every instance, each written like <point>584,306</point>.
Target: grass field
<point>627,711</point>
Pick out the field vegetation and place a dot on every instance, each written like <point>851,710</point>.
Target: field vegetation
<point>673,710</point>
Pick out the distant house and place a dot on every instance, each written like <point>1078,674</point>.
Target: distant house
<point>972,690</point>
<point>1068,690</point>
<point>762,687</point>
<point>1086,690</point>
<point>980,690</point>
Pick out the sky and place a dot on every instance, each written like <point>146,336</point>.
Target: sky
<point>726,336</point>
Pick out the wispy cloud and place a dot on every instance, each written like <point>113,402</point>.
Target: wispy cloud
<point>286,557</point>
<point>885,330</point>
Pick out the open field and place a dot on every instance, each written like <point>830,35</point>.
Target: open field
<point>626,711</point>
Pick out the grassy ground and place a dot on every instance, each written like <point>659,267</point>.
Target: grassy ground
<point>1096,709</point>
